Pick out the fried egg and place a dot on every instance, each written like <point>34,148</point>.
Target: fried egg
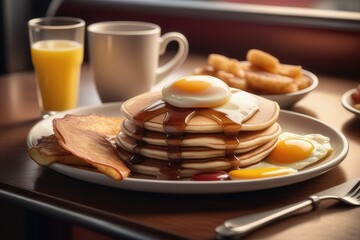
<point>292,153</point>
<point>202,91</point>
<point>197,91</point>
<point>260,170</point>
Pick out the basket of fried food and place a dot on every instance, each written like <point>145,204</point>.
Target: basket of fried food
<point>262,74</point>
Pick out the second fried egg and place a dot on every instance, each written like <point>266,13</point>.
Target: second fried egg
<point>299,151</point>
<point>292,153</point>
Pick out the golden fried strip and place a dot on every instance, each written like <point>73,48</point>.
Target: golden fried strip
<point>302,82</point>
<point>225,76</point>
<point>229,78</point>
<point>239,83</point>
<point>263,60</point>
<point>221,62</point>
<point>269,83</point>
<point>288,70</point>
<point>206,70</point>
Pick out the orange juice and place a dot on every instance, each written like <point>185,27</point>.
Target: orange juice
<point>57,64</point>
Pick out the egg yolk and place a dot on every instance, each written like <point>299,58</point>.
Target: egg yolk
<point>197,91</point>
<point>192,87</point>
<point>259,172</point>
<point>291,150</point>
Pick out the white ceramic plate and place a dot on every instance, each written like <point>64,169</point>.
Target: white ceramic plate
<point>348,103</point>
<point>293,122</point>
<point>286,101</point>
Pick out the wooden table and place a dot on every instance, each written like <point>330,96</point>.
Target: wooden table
<point>122,213</point>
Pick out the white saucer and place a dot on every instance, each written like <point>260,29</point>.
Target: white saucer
<point>348,103</point>
<point>287,100</point>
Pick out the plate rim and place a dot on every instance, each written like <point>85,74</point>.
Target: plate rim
<point>167,186</point>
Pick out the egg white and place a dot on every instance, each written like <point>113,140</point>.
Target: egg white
<point>260,170</point>
<point>322,148</point>
<point>215,95</point>
<point>240,107</point>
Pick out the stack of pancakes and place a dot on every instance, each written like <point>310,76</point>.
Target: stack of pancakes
<point>151,147</point>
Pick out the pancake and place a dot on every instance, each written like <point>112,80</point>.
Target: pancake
<point>158,138</point>
<point>264,118</point>
<point>189,167</point>
<point>162,152</point>
<point>211,140</point>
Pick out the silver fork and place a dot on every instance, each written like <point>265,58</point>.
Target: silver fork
<point>348,192</point>
<point>353,196</point>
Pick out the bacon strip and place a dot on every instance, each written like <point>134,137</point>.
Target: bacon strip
<point>92,146</point>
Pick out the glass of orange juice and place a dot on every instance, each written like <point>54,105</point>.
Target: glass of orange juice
<point>57,50</point>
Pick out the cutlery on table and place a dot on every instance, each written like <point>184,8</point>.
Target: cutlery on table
<point>348,192</point>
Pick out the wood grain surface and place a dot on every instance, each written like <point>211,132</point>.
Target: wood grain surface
<point>116,212</point>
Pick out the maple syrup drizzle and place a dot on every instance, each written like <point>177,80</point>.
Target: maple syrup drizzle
<point>174,123</point>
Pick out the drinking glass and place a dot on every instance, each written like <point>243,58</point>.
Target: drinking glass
<point>57,49</point>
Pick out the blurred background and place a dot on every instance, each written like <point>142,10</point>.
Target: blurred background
<point>14,43</point>
<point>297,31</point>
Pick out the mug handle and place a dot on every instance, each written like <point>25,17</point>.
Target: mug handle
<point>179,57</point>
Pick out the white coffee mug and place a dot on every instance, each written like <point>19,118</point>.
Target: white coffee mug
<point>124,57</point>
